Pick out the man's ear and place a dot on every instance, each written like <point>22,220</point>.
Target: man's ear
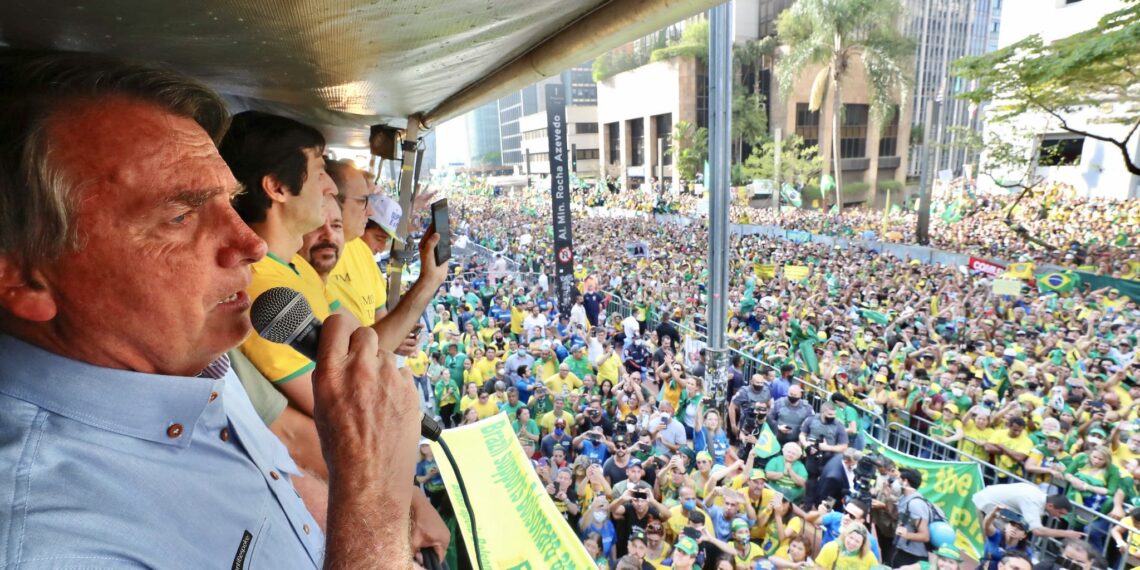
<point>273,188</point>
<point>24,293</point>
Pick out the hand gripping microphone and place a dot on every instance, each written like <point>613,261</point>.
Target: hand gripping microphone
<point>282,315</point>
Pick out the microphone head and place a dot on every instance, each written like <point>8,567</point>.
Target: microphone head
<point>279,314</point>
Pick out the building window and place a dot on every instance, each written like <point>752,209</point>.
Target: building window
<point>613,134</point>
<point>807,125</point>
<point>702,99</point>
<point>889,138</point>
<point>586,154</point>
<point>1060,150</point>
<point>585,128</point>
<point>664,125</point>
<point>535,135</point>
<point>637,142</point>
<point>853,132</point>
<point>540,157</point>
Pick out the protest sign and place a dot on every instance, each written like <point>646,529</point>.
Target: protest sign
<point>1007,287</point>
<point>988,267</point>
<point>796,272</point>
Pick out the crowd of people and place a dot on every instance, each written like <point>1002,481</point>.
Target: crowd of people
<point>1048,226</point>
<point>611,401</point>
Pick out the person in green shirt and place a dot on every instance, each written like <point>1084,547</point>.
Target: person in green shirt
<point>447,398</point>
<point>786,473</point>
<point>579,363</point>
<point>453,361</point>
<point>512,405</point>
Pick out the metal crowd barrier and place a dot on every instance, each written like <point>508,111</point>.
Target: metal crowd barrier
<point>906,440</point>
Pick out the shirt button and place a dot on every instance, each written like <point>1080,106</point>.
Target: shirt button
<point>225,434</point>
<point>213,396</point>
<point>174,431</point>
<point>273,475</point>
<point>305,528</point>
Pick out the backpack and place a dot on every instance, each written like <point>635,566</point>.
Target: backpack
<point>936,513</point>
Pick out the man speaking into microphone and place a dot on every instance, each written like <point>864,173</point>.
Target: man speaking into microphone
<point>125,438</point>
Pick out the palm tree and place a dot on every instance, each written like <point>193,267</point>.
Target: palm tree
<point>832,32</point>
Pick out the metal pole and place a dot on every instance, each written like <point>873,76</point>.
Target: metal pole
<point>720,108</point>
<point>779,151</point>
<point>923,230</point>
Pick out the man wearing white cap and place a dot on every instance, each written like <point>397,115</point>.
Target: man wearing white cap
<point>381,225</point>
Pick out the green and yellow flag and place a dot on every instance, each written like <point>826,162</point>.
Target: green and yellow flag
<point>1022,270</point>
<point>874,316</point>
<point>766,446</point>
<point>951,485</point>
<point>519,525</point>
<point>1057,282</point>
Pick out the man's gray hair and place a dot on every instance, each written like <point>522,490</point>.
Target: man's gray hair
<point>37,194</point>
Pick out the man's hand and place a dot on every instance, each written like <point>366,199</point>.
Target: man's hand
<point>431,274</point>
<point>368,420</point>
<point>428,529</point>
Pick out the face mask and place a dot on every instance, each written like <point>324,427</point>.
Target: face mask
<point>896,487</point>
<point>793,399</point>
<point>599,517</point>
<point>559,431</point>
<point>828,420</point>
<point>689,504</point>
<point>956,391</point>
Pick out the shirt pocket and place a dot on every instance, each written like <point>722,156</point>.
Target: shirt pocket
<point>249,555</point>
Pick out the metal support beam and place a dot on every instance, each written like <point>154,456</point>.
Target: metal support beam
<point>720,133</point>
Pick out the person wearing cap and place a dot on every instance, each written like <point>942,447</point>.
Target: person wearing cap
<point>636,548</point>
<point>632,511</point>
<point>1005,531</point>
<point>634,478</point>
<point>946,558</point>
<point>1047,463</point>
<point>685,552</point>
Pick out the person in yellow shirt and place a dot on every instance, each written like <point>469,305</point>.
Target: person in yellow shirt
<point>609,365</point>
<point>546,422</point>
<point>977,430</point>
<point>1010,447</point>
<point>564,382</point>
<point>484,405</point>
<point>1125,456</point>
<point>356,279</point>
<point>519,311</point>
<point>487,364</point>
<point>851,551</point>
<point>417,362</point>
<point>444,325</point>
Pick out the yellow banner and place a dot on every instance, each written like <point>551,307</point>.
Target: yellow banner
<point>796,272</point>
<point>1022,270</point>
<point>519,526</point>
<point>764,270</point>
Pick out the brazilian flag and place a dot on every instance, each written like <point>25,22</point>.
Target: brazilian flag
<point>953,212</point>
<point>1057,282</point>
<point>766,446</point>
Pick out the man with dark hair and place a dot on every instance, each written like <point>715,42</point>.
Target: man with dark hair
<point>279,162</point>
<point>1029,501</point>
<point>143,432</point>
<point>913,534</point>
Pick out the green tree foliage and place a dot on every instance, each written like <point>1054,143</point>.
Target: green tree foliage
<point>833,32</point>
<point>749,121</point>
<point>1097,68</point>
<point>798,165</point>
<point>690,149</point>
<point>694,43</point>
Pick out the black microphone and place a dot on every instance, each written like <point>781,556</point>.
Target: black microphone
<point>282,315</point>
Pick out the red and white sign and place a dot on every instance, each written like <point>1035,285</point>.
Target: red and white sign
<point>988,267</point>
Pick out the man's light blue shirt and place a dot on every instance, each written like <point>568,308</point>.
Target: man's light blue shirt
<point>105,468</point>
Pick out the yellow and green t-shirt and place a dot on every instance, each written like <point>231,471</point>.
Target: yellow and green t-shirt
<point>831,557</point>
<point>279,362</point>
<point>356,280</point>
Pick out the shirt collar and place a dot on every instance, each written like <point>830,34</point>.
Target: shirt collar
<point>153,407</point>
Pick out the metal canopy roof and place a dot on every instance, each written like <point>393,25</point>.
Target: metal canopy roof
<point>346,64</point>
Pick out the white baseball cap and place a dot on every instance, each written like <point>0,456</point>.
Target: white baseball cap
<point>386,213</point>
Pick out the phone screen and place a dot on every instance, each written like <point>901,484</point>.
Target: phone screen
<point>440,222</point>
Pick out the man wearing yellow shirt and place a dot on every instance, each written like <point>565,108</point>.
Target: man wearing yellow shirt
<point>1126,454</point>
<point>444,326</point>
<point>546,422</point>
<point>519,311</point>
<point>356,279</point>
<point>1010,447</point>
<point>564,382</point>
<point>486,365</point>
<point>279,162</point>
<point>485,407</point>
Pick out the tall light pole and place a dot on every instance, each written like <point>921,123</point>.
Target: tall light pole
<point>720,129</point>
